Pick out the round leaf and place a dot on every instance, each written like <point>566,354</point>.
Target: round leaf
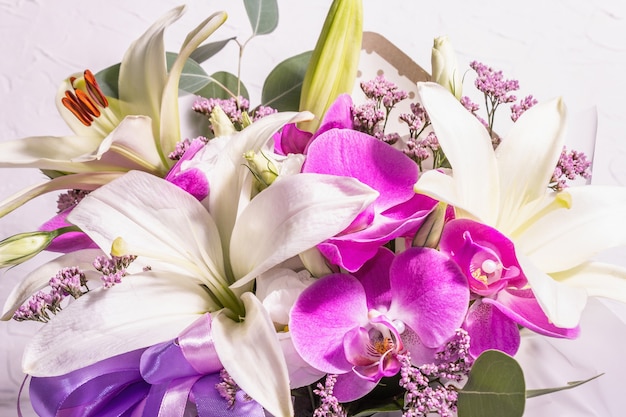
<point>495,387</point>
<point>263,15</point>
<point>223,85</point>
<point>283,85</point>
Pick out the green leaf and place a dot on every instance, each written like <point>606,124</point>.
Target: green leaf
<point>495,387</point>
<point>223,85</point>
<point>263,15</point>
<point>107,80</point>
<point>537,392</point>
<point>283,85</point>
<point>193,78</point>
<point>205,52</point>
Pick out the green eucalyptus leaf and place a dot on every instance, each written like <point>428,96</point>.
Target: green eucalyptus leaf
<point>223,85</point>
<point>193,78</point>
<point>283,85</point>
<point>107,80</point>
<point>495,387</point>
<point>263,15</point>
<point>537,392</point>
<point>205,52</point>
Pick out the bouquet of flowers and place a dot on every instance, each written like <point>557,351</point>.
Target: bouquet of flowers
<point>313,255</point>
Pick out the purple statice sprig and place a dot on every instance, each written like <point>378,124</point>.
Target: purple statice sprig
<point>495,88</point>
<point>235,108</point>
<point>572,165</point>
<point>67,282</point>
<point>112,269</point>
<point>69,199</point>
<point>329,405</point>
<point>372,116</point>
<point>429,388</point>
<point>182,146</point>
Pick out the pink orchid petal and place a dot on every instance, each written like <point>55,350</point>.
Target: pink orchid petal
<point>291,140</point>
<point>194,181</point>
<point>429,294</point>
<point>522,307</point>
<point>420,354</point>
<point>338,116</point>
<point>67,242</point>
<point>352,250</point>
<point>374,276</point>
<point>323,314</point>
<point>489,328</point>
<point>350,387</point>
<point>354,154</point>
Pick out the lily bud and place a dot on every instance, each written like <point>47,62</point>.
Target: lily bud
<point>21,247</point>
<point>429,233</point>
<point>334,63</point>
<point>445,67</point>
<point>220,123</point>
<point>262,167</point>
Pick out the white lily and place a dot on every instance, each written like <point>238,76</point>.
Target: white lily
<point>555,234</point>
<point>190,273</point>
<point>110,136</point>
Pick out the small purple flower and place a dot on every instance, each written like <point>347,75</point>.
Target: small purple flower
<point>502,297</point>
<point>356,326</point>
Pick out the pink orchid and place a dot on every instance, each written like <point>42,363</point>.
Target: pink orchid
<point>356,325</point>
<point>502,297</point>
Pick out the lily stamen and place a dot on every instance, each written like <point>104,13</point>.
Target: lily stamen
<point>85,103</point>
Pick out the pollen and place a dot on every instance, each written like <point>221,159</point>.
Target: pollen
<point>85,102</point>
<point>383,345</point>
<point>478,275</point>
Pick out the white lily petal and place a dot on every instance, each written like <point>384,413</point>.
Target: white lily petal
<point>131,145</point>
<point>39,278</point>
<point>141,90</point>
<point>597,279</point>
<point>562,239</point>
<point>143,310</point>
<point>563,304</point>
<point>442,187</point>
<point>291,216</point>
<point>62,153</point>
<point>170,125</point>
<point>223,163</point>
<point>467,145</point>
<point>251,353</point>
<point>155,219</point>
<point>84,181</point>
<point>537,136</point>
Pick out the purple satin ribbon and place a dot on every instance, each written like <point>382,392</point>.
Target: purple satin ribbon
<point>157,381</point>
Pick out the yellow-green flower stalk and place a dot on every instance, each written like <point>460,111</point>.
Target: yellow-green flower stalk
<point>335,60</point>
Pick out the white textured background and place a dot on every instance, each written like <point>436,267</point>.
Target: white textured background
<point>572,48</point>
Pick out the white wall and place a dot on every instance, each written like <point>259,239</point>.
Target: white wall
<point>572,48</point>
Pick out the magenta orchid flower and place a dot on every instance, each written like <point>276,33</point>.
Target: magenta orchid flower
<point>397,211</point>
<point>356,325</point>
<point>502,296</point>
